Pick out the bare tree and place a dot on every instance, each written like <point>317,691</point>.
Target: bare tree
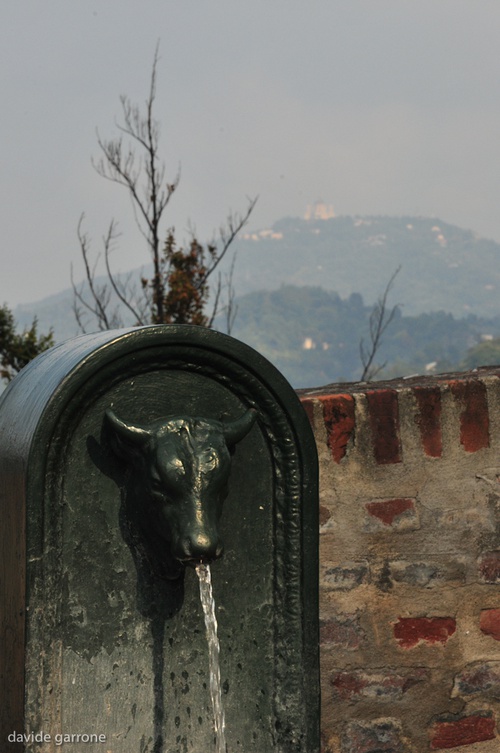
<point>132,160</point>
<point>380,319</point>
<point>231,308</point>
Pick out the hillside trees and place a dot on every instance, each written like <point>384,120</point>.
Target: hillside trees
<point>183,277</point>
<point>485,353</point>
<point>312,336</point>
<point>19,348</point>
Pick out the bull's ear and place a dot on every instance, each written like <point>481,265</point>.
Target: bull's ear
<point>126,439</point>
<point>236,430</point>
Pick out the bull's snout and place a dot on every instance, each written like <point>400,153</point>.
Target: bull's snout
<point>197,548</point>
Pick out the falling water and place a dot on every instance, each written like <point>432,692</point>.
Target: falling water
<point>207,600</point>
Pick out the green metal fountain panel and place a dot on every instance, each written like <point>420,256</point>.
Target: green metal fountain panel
<point>125,458</point>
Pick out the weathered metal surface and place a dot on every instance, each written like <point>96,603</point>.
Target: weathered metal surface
<point>111,648</point>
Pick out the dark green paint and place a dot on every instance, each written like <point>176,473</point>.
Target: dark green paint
<point>111,645</point>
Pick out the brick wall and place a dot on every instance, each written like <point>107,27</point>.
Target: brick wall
<point>410,563</point>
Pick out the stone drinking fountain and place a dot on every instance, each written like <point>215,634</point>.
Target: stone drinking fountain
<point>130,461</point>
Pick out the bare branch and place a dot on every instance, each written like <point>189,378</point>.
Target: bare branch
<point>121,290</point>
<point>380,319</point>
<point>235,223</point>
<point>231,308</point>
<point>178,289</point>
<point>215,306</point>
<point>100,295</point>
<point>121,165</point>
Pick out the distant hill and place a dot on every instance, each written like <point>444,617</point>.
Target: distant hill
<point>313,336</point>
<point>305,290</point>
<point>443,267</point>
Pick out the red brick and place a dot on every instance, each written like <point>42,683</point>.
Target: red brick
<point>489,566</point>
<point>464,731</point>
<point>388,510</point>
<point>384,684</point>
<point>383,409</point>
<point>489,623</point>
<point>308,406</point>
<point>429,419</point>
<point>338,414</point>
<point>474,419</point>
<point>409,631</point>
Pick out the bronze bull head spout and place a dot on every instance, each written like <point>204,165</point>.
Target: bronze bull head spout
<point>178,472</point>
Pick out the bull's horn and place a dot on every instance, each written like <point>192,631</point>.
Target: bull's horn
<point>125,437</point>
<point>236,430</point>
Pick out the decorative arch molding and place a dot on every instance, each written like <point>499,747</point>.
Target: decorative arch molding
<point>67,560</point>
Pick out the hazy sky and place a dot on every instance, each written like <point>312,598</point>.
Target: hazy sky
<point>375,106</point>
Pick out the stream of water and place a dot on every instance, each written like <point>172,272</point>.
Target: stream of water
<point>207,601</point>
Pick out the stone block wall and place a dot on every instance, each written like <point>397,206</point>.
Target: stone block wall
<point>410,563</point>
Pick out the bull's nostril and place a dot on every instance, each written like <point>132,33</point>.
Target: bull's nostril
<point>197,549</point>
<point>186,549</point>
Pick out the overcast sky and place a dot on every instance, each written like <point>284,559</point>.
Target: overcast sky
<point>375,106</point>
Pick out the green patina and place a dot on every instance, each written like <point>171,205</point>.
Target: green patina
<point>98,632</point>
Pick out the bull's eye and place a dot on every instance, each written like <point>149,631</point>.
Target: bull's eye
<point>178,466</point>
<point>209,459</point>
